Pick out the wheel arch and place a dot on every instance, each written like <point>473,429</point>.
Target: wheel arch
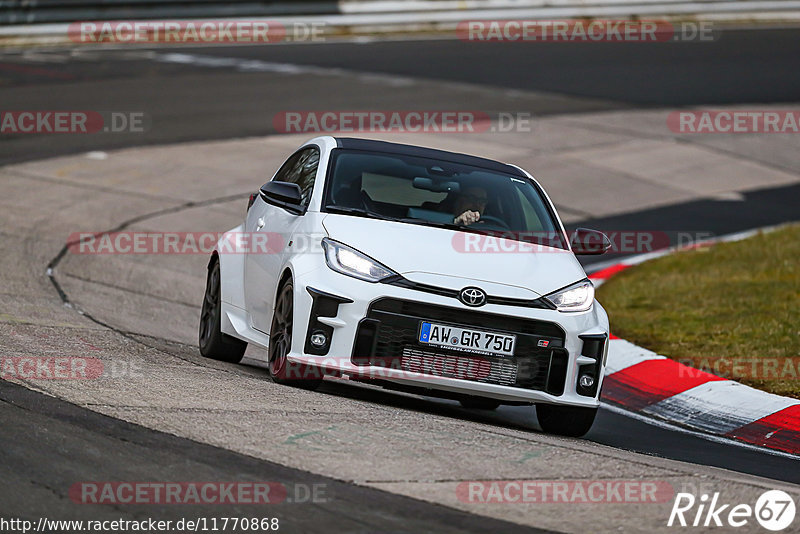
<point>231,269</point>
<point>285,275</point>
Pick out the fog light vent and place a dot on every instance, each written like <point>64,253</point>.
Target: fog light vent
<point>590,374</point>
<point>319,336</point>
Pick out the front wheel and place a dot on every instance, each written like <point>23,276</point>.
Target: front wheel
<point>213,343</point>
<point>572,421</point>
<point>280,344</point>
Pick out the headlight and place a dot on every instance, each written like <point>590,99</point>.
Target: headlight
<point>349,261</point>
<point>577,297</point>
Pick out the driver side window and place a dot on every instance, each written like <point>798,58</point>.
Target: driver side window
<point>301,169</point>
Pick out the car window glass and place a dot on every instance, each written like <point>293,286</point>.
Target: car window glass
<point>411,188</point>
<point>301,169</point>
<point>532,220</point>
<point>385,188</point>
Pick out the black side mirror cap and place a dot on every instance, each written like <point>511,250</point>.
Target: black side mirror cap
<point>283,194</point>
<point>589,242</point>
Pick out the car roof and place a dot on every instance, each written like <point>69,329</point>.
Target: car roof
<point>372,145</point>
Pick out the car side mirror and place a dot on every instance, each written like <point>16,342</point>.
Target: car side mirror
<point>589,242</point>
<point>283,194</point>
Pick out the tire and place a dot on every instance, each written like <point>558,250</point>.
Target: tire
<point>213,343</point>
<point>479,403</point>
<point>280,344</point>
<point>569,421</point>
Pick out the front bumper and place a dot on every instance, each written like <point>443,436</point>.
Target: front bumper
<point>390,314</point>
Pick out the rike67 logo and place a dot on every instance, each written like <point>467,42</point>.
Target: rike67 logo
<point>774,510</point>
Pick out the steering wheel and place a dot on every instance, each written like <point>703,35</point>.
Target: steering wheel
<point>494,220</point>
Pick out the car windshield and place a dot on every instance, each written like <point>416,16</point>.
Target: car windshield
<point>432,192</point>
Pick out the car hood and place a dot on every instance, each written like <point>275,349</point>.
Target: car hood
<point>440,257</point>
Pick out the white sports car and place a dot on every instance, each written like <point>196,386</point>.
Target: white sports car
<point>415,269</point>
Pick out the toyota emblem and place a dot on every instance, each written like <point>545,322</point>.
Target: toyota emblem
<point>472,296</point>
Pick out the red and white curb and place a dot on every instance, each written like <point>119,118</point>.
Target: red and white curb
<point>642,381</point>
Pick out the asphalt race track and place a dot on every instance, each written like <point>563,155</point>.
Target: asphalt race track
<point>228,93</point>
<point>195,101</point>
<point>90,442</point>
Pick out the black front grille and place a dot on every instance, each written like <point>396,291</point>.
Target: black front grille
<point>388,337</point>
<point>488,321</point>
<point>490,369</point>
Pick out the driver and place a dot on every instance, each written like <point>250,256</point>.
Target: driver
<point>469,205</point>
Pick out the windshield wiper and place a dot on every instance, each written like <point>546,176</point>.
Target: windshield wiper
<point>426,222</point>
<point>359,212</point>
<point>447,226</point>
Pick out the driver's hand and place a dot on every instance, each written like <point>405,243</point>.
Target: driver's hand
<point>468,217</point>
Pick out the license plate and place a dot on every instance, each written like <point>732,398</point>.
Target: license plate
<point>466,339</point>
